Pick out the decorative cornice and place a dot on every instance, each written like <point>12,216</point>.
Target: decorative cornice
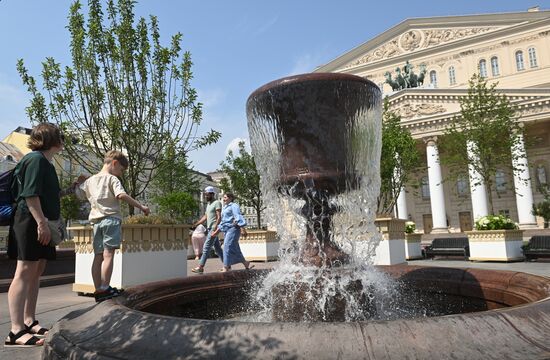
<point>137,238</point>
<point>260,237</point>
<point>494,235</point>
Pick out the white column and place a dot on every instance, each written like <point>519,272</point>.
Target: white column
<point>400,208</point>
<point>522,184</point>
<point>401,205</point>
<point>437,196</point>
<point>477,185</point>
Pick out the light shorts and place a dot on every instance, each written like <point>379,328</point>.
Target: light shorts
<point>107,234</point>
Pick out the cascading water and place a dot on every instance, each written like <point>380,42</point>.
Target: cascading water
<point>316,140</point>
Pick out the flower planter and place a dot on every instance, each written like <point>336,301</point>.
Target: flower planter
<point>147,253</point>
<point>260,245</point>
<point>391,249</point>
<point>495,245</point>
<point>413,250</point>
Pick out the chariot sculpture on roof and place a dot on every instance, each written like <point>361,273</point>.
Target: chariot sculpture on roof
<point>405,77</point>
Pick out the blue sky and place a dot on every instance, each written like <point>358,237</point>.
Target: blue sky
<point>236,46</point>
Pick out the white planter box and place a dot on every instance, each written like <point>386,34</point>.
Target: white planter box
<point>261,245</point>
<point>147,253</point>
<point>391,250</point>
<point>495,245</point>
<point>413,250</point>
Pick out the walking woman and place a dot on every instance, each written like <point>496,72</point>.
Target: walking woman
<point>37,199</point>
<point>232,225</point>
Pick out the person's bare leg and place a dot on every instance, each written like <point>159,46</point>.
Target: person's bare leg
<point>19,288</point>
<point>96,270</point>
<point>107,267</point>
<point>32,295</point>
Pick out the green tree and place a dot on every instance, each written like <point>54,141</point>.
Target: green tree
<point>178,205</point>
<point>173,185</point>
<point>174,172</point>
<point>398,160</point>
<point>124,91</point>
<point>243,180</point>
<point>487,126</point>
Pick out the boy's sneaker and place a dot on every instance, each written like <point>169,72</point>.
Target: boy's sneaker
<point>107,294</point>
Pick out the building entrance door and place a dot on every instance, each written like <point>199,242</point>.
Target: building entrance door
<point>465,218</point>
<point>427,223</point>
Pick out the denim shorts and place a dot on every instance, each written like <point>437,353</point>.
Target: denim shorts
<point>107,234</point>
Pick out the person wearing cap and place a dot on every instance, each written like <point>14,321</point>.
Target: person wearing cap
<point>212,216</point>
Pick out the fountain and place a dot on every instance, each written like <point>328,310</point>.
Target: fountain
<point>316,140</point>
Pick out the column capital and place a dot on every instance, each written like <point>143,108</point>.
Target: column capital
<point>430,140</point>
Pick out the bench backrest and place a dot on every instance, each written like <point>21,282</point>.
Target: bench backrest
<point>458,242</point>
<point>540,242</point>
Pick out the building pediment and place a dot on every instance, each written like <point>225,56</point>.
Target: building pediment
<point>420,34</point>
<point>418,39</point>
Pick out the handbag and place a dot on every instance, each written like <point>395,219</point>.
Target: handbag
<point>58,231</point>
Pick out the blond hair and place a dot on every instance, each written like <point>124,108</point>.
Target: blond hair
<point>116,155</point>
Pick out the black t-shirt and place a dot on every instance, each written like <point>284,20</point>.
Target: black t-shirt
<point>36,176</point>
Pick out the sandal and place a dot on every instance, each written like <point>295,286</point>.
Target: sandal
<point>40,333</point>
<point>224,270</point>
<point>248,266</point>
<point>12,338</point>
<point>197,270</point>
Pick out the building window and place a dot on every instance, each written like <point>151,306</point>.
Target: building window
<point>67,165</point>
<point>433,78</point>
<point>532,57</point>
<point>462,187</point>
<point>483,68</point>
<point>500,181</point>
<point>504,212</point>
<point>494,66</point>
<point>519,60</point>
<point>425,186</point>
<point>542,180</point>
<point>452,77</point>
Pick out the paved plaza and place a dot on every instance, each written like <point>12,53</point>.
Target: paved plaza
<point>57,301</point>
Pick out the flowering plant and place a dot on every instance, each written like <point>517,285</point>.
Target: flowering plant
<point>495,222</point>
<point>410,227</point>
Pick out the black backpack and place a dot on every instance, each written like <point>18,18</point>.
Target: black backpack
<point>7,201</point>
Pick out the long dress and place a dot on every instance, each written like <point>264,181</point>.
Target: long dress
<point>231,223</point>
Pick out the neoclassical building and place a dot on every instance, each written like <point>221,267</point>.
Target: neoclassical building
<point>512,49</point>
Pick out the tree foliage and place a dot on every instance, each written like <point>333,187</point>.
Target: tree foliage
<point>124,91</point>
<point>173,185</point>
<point>398,160</point>
<point>178,205</point>
<point>243,180</point>
<point>488,128</point>
<point>174,173</point>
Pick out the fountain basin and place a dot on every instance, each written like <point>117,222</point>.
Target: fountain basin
<point>138,325</point>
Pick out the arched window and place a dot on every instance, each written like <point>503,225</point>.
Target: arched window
<point>494,66</point>
<point>519,60</point>
<point>433,78</point>
<point>452,77</point>
<point>500,181</point>
<point>483,68</point>
<point>532,57</point>
<point>462,187</point>
<point>425,187</point>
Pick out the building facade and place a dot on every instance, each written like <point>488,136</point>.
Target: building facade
<point>512,49</point>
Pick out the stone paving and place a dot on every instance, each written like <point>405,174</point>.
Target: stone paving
<point>57,301</point>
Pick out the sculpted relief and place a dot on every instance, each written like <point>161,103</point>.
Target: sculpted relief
<point>415,39</point>
<point>409,111</point>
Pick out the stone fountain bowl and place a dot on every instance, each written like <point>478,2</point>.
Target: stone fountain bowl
<point>169,320</point>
